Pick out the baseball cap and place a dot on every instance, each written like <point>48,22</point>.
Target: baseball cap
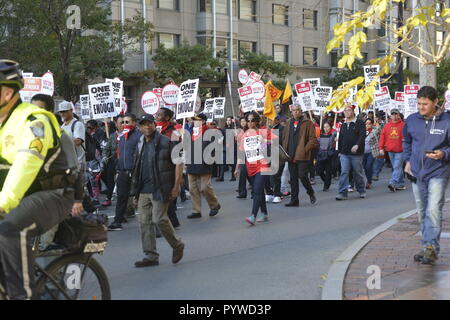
<point>146,117</point>
<point>395,111</point>
<point>65,106</point>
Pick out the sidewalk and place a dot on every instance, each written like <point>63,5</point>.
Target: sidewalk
<point>401,277</point>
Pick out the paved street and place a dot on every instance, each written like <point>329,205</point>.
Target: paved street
<point>225,258</point>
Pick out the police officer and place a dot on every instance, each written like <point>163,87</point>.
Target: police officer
<point>37,188</point>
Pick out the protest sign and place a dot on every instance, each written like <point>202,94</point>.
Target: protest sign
<point>85,108</point>
<point>322,96</point>
<point>31,87</point>
<point>259,90</point>
<point>410,97</point>
<point>252,78</point>
<point>219,108</point>
<point>117,85</point>
<point>305,96</point>
<point>248,101</point>
<point>48,84</point>
<point>208,111</point>
<point>170,94</point>
<point>383,99</point>
<point>370,74</point>
<point>400,101</point>
<point>252,147</point>
<point>149,102</point>
<point>447,100</point>
<point>243,76</point>
<point>102,102</point>
<point>187,99</point>
<point>314,82</point>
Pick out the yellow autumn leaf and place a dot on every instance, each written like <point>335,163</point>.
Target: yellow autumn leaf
<point>445,12</point>
<point>350,61</point>
<point>343,61</point>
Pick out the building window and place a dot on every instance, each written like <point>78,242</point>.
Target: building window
<point>280,53</point>
<point>168,40</point>
<point>169,4</point>
<point>247,45</point>
<point>247,10</point>
<point>280,14</point>
<point>222,43</point>
<point>310,56</point>
<point>221,6</point>
<point>334,59</point>
<point>309,19</point>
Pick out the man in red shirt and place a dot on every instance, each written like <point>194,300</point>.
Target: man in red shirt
<point>391,142</point>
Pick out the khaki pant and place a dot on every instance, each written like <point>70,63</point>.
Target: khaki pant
<point>201,184</point>
<point>151,213</point>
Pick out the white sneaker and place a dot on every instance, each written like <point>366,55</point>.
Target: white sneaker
<point>276,200</point>
<point>263,218</point>
<point>269,198</point>
<point>251,220</point>
<point>350,189</point>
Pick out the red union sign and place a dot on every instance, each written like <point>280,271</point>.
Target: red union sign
<point>302,87</point>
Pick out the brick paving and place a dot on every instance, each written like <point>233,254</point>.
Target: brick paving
<point>401,277</point>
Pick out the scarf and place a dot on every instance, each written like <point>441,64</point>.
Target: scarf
<point>162,126</point>
<point>127,129</point>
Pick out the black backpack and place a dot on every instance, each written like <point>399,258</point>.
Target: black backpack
<point>89,142</point>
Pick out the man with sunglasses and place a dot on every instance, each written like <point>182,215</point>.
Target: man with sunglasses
<point>391,142</point>
<point>125,165</point>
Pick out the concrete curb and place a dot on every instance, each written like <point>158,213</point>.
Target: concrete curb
<point>333,288</point>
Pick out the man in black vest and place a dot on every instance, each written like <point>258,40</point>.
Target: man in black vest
<point>156,183</point>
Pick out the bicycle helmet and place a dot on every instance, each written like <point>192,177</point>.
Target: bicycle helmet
<point>10,73</point>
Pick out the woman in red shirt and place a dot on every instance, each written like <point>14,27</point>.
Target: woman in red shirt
<point>251,142</point>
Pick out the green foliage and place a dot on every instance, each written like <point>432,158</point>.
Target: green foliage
<point>264,65</point>
<point>185,62</point>
<point>41,41</point>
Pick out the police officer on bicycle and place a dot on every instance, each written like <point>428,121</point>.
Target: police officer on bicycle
<point>38,185</point>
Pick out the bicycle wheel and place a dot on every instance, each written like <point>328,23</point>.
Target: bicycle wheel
<point>79,275</point>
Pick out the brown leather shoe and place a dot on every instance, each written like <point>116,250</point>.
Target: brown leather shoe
<point>177,254</point>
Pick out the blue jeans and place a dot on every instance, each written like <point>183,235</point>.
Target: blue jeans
<point>368,165</point>
<point>258,181</point>
<point>355,163</point>
<point>430,198</point>
<point>377,166</point>
<point>397,169</point>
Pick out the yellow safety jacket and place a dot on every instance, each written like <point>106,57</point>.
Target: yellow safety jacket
<point>25,139</point>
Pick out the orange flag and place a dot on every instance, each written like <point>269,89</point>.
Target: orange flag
<point>287,92</point>
<point>275,93</point>
<point>269,109</point>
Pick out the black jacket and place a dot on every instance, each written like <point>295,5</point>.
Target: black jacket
<point>350,134</point>
<point>165,169</point>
